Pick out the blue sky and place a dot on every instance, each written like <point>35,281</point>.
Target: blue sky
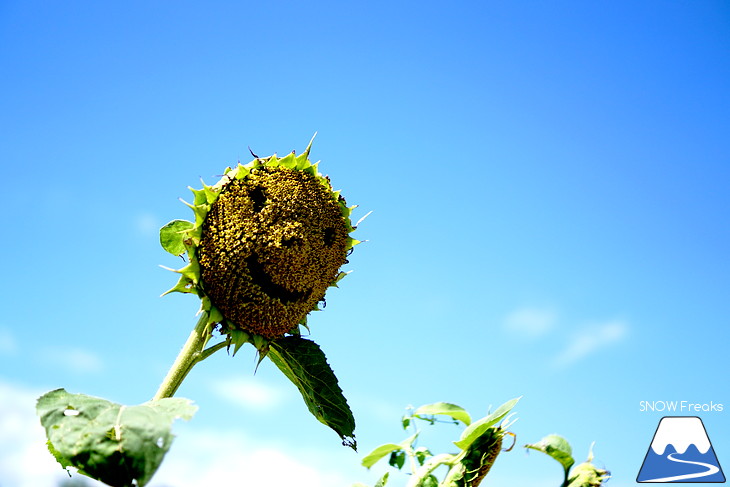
<point>549,188</point>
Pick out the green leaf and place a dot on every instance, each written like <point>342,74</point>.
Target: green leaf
<point>171,236</point>
<point>383,480</point>
<point>430,481</point>
<point>452,410</point>
<point>304,363</point>
<point>587,475</point>
<point>119,445</point>
<point>558,448</point>
<point>475,430</point>
<point>397,459</point>
<point>379,452</point>
<point>422,454</point>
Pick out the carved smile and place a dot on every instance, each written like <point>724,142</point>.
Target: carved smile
<point>263,280</point>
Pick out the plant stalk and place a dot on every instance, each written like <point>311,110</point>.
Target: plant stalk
<point>191,353</point>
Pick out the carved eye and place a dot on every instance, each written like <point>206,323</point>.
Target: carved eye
<point>329,236</point>
<point>258,198</point>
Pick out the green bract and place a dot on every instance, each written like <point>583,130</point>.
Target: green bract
<point>268,239</point>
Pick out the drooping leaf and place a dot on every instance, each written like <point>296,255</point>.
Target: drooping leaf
<point>444,408</point>
<point>304,363</point>
<point>171,236</point>
<point>558,448</point>
<point>476,429</point>
<point>379,452</point>
<point>119,445</point>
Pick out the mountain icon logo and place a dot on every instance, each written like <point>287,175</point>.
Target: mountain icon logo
<point>680,452</point>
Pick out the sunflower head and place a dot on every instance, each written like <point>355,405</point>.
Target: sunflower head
<point>268,240</point>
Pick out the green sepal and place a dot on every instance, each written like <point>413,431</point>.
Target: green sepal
<point>289,161</point>
<point>204,196</point>
<point>237,338</point>
<point>312,169</point>
<point>184,285</point>
<point>191,271</point>
<point>303,161</point>
<point>339,277</point>
<point>172,236</point>
<point>305,154</point>
<point>271,161</point>
<point>214,315</point>
<point>351,242</point>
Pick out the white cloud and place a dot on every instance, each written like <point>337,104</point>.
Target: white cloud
<point>590,340</point>
<point>76,360</point>
<point>208,457</point>
<point>197,457</point>
<point>8,343</point>
<point>249,393</point>
<point>530,322</point>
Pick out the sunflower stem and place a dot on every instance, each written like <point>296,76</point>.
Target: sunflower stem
<point>191,353</point>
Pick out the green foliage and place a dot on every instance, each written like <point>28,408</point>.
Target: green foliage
<point>584,475</point>
<point>587,475</point>
<point>119,445</point>
<point>380,452</point>
<point>558,448</point>
<point>479,445</point>
<point>443,408</point>
<point>304,363</point>
<point>477,429</point>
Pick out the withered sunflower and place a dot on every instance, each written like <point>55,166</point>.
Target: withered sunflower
<point>268,239</point>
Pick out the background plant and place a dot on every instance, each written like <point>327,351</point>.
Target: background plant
<point>478,447</point>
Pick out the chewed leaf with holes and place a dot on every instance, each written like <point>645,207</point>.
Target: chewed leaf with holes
<point>304,363</point>
<point>120,445</point>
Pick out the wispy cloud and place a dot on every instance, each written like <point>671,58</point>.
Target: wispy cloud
<point>249,393</point>
<point>146,224</point>
<point>74,359</point>
<point>530,322</point>
<point>213,457</point>
<point>591,339</point>
<point>8,343</point>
